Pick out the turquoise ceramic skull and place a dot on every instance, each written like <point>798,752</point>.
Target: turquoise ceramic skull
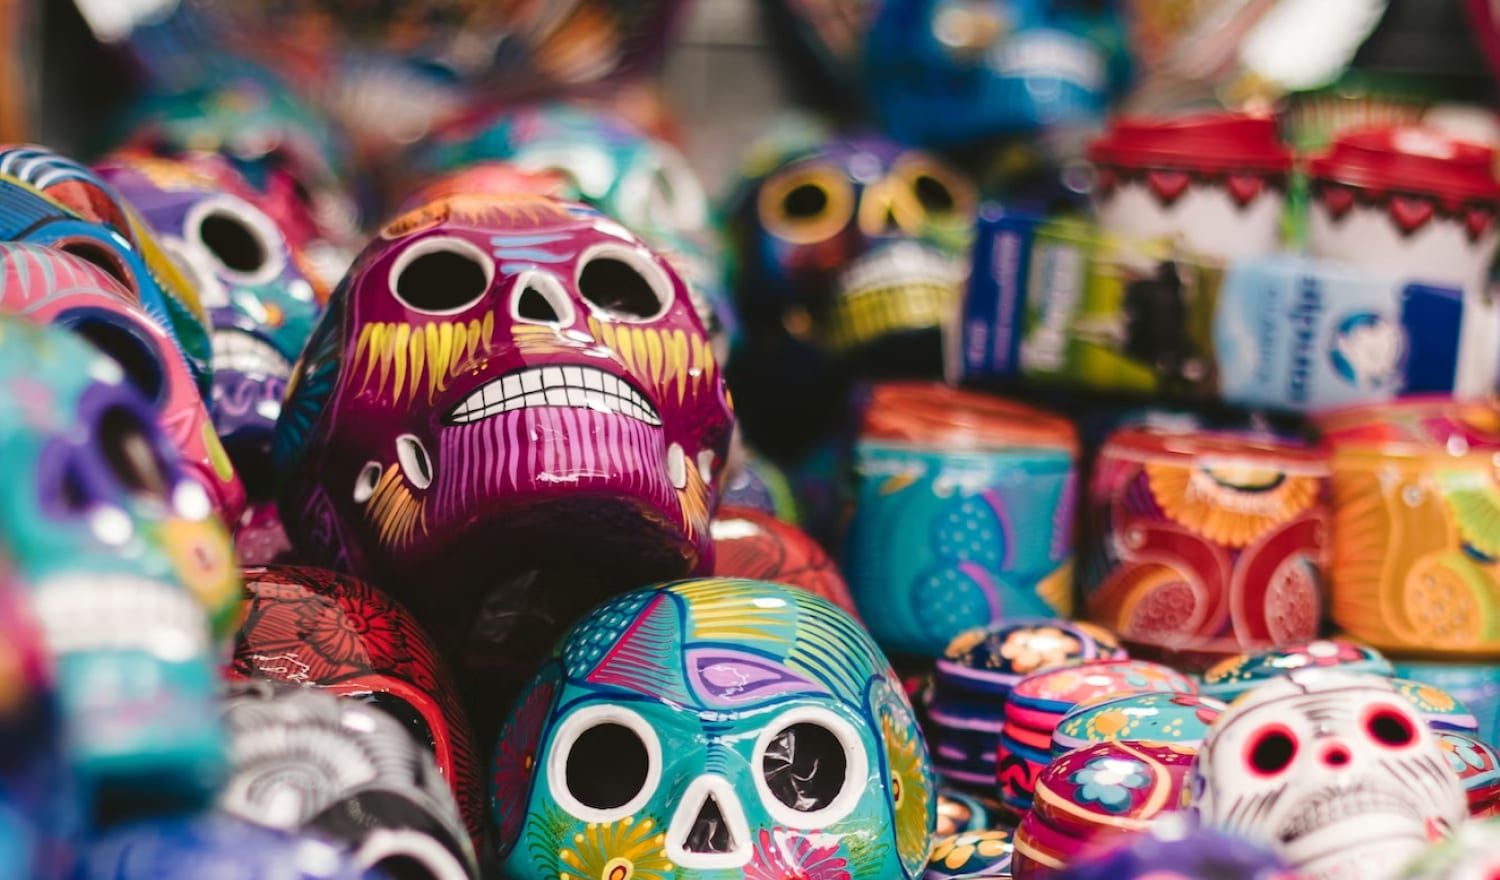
<point>714,728</point>
<point>119,556</point>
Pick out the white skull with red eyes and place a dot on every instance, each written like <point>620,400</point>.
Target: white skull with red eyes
<point>1335,771</point>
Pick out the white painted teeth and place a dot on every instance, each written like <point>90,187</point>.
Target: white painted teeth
<point>241,352</point>
<point>579,387</point>
<point>677,465</point>
<point>100,612</point>
<point>903,264</point>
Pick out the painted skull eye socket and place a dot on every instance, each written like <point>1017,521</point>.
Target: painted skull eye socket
<point>805,766</point>
<point>101,257</point>
<point>607,766</point>
<point>1271,750</point>
<point>240,241</point>
<point>1390,727</point>
<point>232,242</point>
<point>441,276</point>
<point>809,765</point>
<point>933,194</point>
<point>135,355</point>
<point>605,763</point>
<point>624,284</point>
<point>129,449</point>
<point>936,192</point>
<point>806,205</point>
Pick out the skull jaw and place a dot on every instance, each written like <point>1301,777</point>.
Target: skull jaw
<point>1361,846</point>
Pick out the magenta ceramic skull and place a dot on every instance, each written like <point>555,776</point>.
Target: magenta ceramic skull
<point>500,385</point>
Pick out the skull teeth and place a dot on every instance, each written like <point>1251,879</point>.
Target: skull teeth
<point>241,352</point>
<point>581,387</point>
<point>114,612</point>
<point>1337,805</point>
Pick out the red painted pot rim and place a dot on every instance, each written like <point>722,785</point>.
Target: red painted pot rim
<point>1210,142</point>
<point>1157,444</point>
<point>933,414</point>
<point>1410,159</point>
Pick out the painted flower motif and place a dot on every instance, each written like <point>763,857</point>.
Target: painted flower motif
<point>623,850</point>
<point>515,761</point>
<point>909,792</point>
<point>1232,669</point>
<point>1232,503</point>
<point>955,852</point>
<point>1109,724</point>
<point>1031,649</point>
<point>1109,782</point>
<point>1462,754</point>
<point>1430,698</point>
<point>342,633</point>
<point>965,642</point>
<point>786,855</point>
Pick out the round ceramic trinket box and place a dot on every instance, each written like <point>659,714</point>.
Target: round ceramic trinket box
<point>1234,676</point>
<point>1095,792</point>
<point>966,708</point>
<point>1038,703</point>
<point>1180,719</point>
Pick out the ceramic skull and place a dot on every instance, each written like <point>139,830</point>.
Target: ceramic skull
<point>1337,772</point>
<point>498,381</point>
<point>848,256</point>
<point>48,285</point>
<point>602,159</point>
<point>123,565</point>
<point>322,629</point>
<point>292,155</point>
<point>83,215</point>
<point>303,761</point>
<point>714,728</point>
<point>256,286</point>
<point>853,240</point>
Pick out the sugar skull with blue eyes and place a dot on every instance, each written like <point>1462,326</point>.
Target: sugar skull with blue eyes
<point>126,570</point>
<point>54,201</point>
<point>603,160</point>
<point>256,287</point>
<point>714,728</point>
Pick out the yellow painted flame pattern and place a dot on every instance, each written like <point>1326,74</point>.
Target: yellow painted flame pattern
<point>394,511</point>
<point>398,359</point>
<point>663,358</point>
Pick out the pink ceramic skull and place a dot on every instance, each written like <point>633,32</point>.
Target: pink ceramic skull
<point>501,385</point>
<point>52,287</point>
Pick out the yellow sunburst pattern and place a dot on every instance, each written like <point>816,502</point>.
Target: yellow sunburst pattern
<point>1231,503</point>
<point>624,850</point>
<point>910,797</point>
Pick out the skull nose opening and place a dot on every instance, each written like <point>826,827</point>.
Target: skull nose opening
<point>708,829</point>
<point>710,834</point>
<point>1336,755</point>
